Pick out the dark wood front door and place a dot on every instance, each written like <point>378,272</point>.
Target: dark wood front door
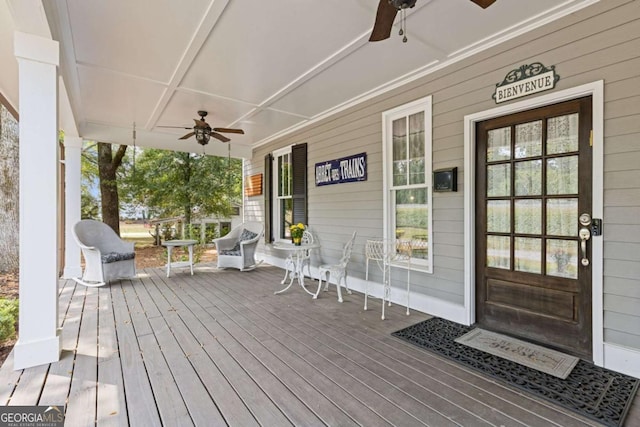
<point>533,182</point>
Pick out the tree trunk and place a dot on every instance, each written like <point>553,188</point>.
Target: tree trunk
<point>9,191</point>
<point>188,206</point>
<point>107,166</point>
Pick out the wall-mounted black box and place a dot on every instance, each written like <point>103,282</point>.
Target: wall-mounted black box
<point>445,179</point>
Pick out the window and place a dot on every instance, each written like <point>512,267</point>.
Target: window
<point>286,201</point>
<point>407,178</point>
<point>283,200</point>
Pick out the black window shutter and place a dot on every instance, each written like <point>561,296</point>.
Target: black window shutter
<point>299,190</point>
<point>268,201</point>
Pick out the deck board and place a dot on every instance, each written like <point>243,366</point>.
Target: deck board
<point>343,388</point>
<point>56,389</point>
<point>8,380</point>
<point>368,343</point>
<point>229,403</point>
<point>322,407</point>
<point>296,328</point>
<point>29,386</point>
<point>81,405</point>
<point>346,337</point>
<point>169,402</point>
<point>247,390</point>
<point>139,397</point>
<point>368,370</point>
<point>314,353</point>
<point>111,408</point>
<point>284,399</point>
<point>201,407</point>
<point>398,388</point>
<point>447,387</point>
<point>219,348</point>
<point>171,406</point>
<point>300,360</point>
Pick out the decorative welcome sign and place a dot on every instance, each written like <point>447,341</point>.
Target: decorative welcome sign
<point>346,169</point>
<point>526,80</point>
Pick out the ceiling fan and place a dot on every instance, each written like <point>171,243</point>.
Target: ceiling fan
<point>388,9</point>
<point>202,131</point>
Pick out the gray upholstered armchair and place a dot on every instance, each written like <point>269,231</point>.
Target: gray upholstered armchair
<point>106,256</point>
<point>238,248</point>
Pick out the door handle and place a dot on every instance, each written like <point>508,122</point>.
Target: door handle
<point>585,220</point>
<point>584,234</point>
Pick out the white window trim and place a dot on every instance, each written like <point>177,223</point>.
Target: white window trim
<point>276,220</point>
<point>425,105</point>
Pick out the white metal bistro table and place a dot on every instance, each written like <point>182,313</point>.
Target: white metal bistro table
<point>170,244</point>
<point>298,255</point>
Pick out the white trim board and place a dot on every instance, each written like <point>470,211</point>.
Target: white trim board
<point>596,90</point>
<point>622,359</point>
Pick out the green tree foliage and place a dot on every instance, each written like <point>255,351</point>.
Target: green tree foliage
<point>90,205</point>
<point>8,317</point>
<point>171,183</point>
<point>89,164</point>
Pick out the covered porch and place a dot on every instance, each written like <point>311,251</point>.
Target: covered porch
<point>219,348</point>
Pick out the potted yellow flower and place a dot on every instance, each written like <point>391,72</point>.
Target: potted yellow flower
<point>296,233</point>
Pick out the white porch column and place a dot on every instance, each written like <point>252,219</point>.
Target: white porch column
<point>72,156</point>
<point>39,341</point>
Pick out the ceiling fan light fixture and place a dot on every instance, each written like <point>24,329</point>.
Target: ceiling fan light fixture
<point>202,135</point>
<point>203,131</point>
<point>402,4</point>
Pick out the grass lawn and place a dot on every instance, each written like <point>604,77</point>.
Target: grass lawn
<point>137,233</point>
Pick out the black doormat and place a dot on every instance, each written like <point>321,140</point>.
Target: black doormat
<point>591,391</point>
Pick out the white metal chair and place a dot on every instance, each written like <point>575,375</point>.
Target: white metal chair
<point>238,248</point>
<point>337,272</point>
<point>107,257</point>
<point>387,253</point>
<point>307,238</point>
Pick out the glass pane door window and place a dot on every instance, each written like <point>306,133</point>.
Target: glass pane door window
<point>532,196</point>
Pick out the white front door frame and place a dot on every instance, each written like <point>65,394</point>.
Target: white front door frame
<point>594,89</point>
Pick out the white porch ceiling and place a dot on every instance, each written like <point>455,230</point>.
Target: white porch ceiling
<point>265,66</point>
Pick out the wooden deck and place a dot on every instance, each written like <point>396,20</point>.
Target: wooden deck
<point>219,348</point>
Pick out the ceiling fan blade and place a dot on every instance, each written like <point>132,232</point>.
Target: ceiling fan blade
<point>484,3</point>
<point>189,135</point>
<point>227,130</point>
<point>174,127</point>
<point>200,123</point>
<point>221,137</point>
<point>384,21</point>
